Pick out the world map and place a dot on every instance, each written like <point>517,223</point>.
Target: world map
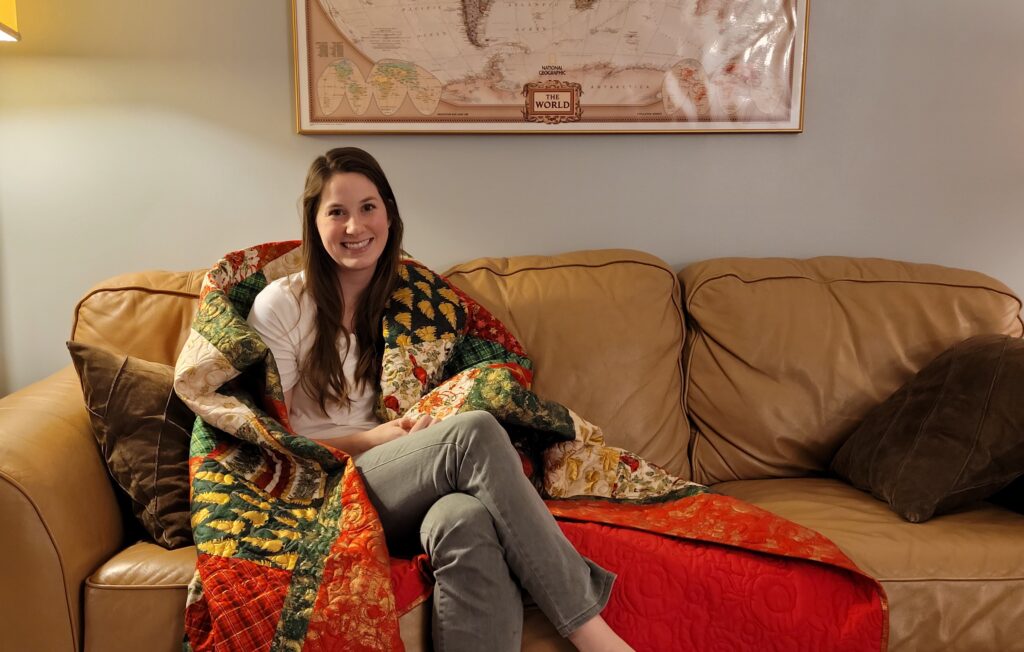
<point>681,60</point>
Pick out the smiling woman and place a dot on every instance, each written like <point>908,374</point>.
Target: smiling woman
<point>347,200</point>
<point>454,487</point>
<point>353,225</point>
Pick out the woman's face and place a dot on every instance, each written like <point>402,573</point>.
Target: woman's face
<point>353,224</point>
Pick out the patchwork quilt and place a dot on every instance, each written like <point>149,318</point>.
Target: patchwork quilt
<point>292,555</point>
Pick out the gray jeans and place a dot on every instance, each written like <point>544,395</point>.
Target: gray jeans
<point>459,485</point>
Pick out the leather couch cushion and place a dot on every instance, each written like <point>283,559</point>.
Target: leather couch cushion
<point>144,314</point>
<point>785,357</point>
<point>954,583</point>
<point>136,601</point>
<point>605,332</point>
<point>952,435</point>
<point>143,430</point>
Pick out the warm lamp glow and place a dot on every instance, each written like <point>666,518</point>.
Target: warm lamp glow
<point>8,21</point>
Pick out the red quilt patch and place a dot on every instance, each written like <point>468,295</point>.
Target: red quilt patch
<point>673,594</point>
<point>242,605</point>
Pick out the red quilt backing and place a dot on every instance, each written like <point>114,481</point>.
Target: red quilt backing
<point>710,573</point>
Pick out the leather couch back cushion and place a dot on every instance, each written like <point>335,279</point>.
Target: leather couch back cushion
<point>146,315</point>
<point>785,357</point>
<point>605,333</point>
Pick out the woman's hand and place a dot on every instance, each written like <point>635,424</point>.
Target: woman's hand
<point>386,432</point>
<point>412,425</point>
<point>382,434</point>
<point>396,428</point>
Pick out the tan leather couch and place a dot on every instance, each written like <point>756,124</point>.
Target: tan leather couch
<point>748,379</point>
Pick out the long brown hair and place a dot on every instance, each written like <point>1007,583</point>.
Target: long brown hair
<point>321,371</point>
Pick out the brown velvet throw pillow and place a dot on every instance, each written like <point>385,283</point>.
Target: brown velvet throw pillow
<point>143,429</point>
<point>952,435</point>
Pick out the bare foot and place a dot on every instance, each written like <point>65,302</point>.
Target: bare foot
<point>596,636</point>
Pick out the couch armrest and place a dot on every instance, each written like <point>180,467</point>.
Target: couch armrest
<point>59,513</point>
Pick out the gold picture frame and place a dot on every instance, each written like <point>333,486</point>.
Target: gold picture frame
<point>564,66</point>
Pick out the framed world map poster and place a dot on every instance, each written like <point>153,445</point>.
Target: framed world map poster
<point>549,66</point>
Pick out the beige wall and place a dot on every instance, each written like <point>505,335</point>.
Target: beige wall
<point>141,135</point>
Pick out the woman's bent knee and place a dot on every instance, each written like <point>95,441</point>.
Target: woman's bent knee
<point>479,427</point>
<point>479,420</point>
<point>453,513</point>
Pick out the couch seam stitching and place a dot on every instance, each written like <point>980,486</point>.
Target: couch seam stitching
<point>134,587</point>
<point>60,558</point>
<point>677,303</point>
<point>1020,304</point>
<point>620,261</point>
<point>127,288</point>
<point>781,277</point>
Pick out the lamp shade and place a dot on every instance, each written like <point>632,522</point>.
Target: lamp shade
<point>9,21</point>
